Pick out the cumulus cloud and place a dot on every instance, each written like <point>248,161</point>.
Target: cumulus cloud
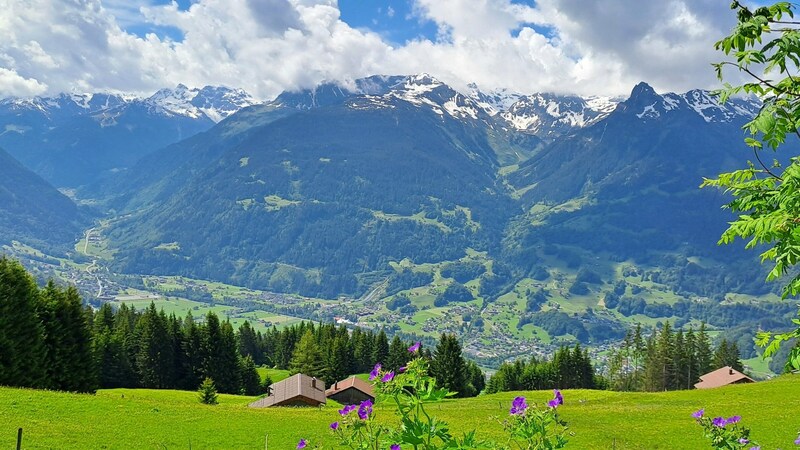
<point>266,46</point>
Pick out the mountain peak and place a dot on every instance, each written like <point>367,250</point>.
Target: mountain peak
<point>643,89</point>
<point>215,102</point>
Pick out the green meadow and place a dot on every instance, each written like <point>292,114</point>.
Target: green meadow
<point>128,418</point>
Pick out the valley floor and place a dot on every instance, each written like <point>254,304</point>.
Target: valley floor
<point>130,419</point>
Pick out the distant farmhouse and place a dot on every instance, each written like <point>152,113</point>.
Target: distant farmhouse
<point>722,377</point>
<point>297,390</point>
<point>350,391</point>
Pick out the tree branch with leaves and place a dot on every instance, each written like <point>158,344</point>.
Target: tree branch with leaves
<point>765,46</point>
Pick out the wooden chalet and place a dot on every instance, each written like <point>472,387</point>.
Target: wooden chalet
<point>297,390</point>
<point>722,377</point>
<point>351,391</point>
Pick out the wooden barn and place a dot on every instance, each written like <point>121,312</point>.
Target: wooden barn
<point>722,377</point>
<point>297,390</point>
<point>350,391</point>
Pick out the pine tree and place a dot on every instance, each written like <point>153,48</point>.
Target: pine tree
<point>221,359</point>
<point>336,362</point>
<point>680,362</point>
<point>154,356</point>
<point>307,358</point>
<point>448,366</point>
<point>208,392</point>
<point>704,354</point>
<point>727,354</point>
<point>380,352</point>
<point>398,354</point>
<point>251,381</point>
<point>22,359</point>
<point>248,344</point>
<point>68,339</point>
<point>123,347</point>
<point>193,350</point>
<point>476,379</point>
<point>692,369</point>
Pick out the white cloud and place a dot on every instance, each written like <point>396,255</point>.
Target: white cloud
<point>266,46</point>
<point>11,84</point>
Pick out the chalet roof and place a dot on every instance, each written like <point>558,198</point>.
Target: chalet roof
<point>722,377</point>
<point>352,382</point>
<point>298,388</point>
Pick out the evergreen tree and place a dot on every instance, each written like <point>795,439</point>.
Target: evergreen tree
<point>476,380</point>
<point>704,354</point>
<point>22,359</point>
<point>248,343</point>
<point>336,362</point>
<point>68,339</point>
<point>398,354</point>
<point>251,382</point>
<point>362,351</point>
<point>692,375</point>
<point>208,392</point>
<point>727,354</point>
<point>448,366</point>
<point>380,352</point>
<point>220,358</point>
<point>122,346</point>
<point>154,356</point>
<point>193,350</point>
<point>680,362</point>
<point>307,358</point>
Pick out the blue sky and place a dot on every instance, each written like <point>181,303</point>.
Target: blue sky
<point>395,20</point>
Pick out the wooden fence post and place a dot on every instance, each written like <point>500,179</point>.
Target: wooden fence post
<point>19,439</point>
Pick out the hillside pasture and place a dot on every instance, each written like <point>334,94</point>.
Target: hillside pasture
<point>126,418</point>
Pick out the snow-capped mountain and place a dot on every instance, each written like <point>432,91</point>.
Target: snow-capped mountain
<point>495,101</point>
<point>425,91</point>
<point>74,139</point>
<point>551,115</point>
<point>214,102</point>
<point>650,105</point>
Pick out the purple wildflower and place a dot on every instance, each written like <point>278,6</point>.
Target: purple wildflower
<point>518,406</point>
<point>335,426</point>
<point>553,403</point>
<point>394,447</point>
<point>347,409</point>
<point>365,409</point>
<point>414,347</point>
<point>389,376</point>
<point>375,371</point>
<point>301,444</point>
<point>755,448</point>
<point>719,422</point>
<point>743,441</point>
<point>402,369</point>
<point>797,441</point>
<point>699,413</point>
<point>558,397</point>
<point>733,419</point>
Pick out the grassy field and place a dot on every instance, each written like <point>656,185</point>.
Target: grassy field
<point>124,418</point>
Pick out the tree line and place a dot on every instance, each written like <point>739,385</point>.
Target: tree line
<point>50,340</point>
<point>668,360</point>
<point>332,353</point>
<point>568,369</point>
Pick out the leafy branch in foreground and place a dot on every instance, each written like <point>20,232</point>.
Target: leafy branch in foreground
<point>765,46</point>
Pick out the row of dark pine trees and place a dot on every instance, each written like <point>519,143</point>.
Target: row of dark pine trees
<point>668,360</point>
<point>50,340</point>
<point>568,369</point>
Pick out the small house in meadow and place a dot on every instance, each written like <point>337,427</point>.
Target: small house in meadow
<point>722,377</point>
<point>350,391</point>
<point>297,390</point>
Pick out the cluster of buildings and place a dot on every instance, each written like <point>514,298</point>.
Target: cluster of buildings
<point>303,390</point>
